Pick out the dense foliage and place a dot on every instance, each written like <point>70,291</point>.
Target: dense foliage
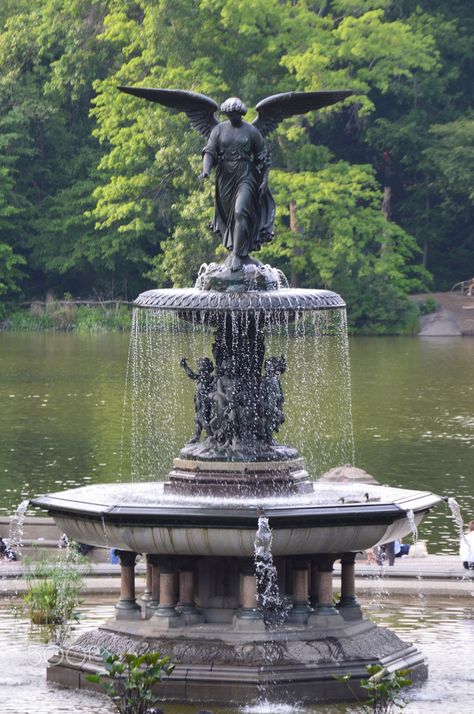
<point>99,190</point>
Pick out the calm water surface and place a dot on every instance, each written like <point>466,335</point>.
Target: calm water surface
<point>62,420</point>
<point>444,633</point>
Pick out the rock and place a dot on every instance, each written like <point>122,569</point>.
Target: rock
<point>348,474</point>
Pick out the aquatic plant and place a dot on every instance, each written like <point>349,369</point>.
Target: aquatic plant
<point>382,687</point>
<point>53,589</point>
<point>129,679</point>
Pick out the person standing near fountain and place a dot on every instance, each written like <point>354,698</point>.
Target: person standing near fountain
<point>466,549</point>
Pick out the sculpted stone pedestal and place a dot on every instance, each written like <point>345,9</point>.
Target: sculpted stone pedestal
<point>222,664</point>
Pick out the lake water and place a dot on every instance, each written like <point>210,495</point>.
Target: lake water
<point>63,421</point>
<point>444,633</point>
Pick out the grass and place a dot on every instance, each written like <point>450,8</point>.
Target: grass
<point>68,315</point>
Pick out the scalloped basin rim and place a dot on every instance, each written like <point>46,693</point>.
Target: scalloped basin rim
<point>281,300</point>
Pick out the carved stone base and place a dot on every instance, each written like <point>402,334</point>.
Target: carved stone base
<point>216,664</point>
<point>239,478</point>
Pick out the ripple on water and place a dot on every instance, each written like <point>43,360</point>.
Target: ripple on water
<point>24,689</point>
<point>264,706</point>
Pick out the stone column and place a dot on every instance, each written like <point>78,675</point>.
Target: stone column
<point>146,595</point>
<point>186,604</point>
<point>248,617</point>
<point>314,584</point>
<point>127,607</point>
<point>154,601</point>
<point>165,616</point>
<point>325,614</point>
<point>348,606</point>
<point>301,609</point>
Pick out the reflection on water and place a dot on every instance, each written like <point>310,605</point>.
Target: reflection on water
<point>444,633</point>
<point>446,636</point>
<point>61,399</point>
<point>413,407</point>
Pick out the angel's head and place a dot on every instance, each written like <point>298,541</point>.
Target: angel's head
<point>233,105</point>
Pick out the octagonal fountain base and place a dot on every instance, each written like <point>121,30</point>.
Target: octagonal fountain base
<point>215,664</point>
<point>202,605</point>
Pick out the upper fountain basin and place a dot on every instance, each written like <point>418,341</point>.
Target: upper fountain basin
<point>141,517</point>
<point>288,300</point>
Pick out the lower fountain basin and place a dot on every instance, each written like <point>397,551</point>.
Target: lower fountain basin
<point>143,518</point>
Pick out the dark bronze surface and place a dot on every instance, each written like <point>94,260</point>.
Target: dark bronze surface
<point>244,207</point>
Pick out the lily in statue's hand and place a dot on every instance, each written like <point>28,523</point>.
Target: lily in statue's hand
<point>263,187</point>
<point>183,362</point>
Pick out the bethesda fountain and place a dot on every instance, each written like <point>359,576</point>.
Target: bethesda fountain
<point>239,541</point>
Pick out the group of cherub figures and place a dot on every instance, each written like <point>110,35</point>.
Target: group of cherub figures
<point>234,408</point>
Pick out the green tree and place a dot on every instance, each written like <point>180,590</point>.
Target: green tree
<point>150,197</point>
<point>109,198</point>
<point>10,273</point>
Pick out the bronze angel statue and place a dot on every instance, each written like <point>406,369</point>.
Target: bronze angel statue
<point>244,206</point>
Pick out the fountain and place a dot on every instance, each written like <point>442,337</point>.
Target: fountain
<point>239,541</point>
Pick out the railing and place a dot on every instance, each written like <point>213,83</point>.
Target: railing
<point>465,287</point>
<point>43,303</point>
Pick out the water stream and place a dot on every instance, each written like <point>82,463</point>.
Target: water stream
<point>270,602</point>
<point>162,395</point>
<point>455,509</point>
<point>14,542</point>
<point>413,526</point>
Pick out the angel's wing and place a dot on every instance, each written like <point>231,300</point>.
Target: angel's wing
<point>272,110</point>
<point>198,108</point>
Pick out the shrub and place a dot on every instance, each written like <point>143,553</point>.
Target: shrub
<point>375,307</point>
<point>426,307</point>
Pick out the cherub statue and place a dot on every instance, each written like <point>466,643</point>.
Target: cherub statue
<point>272,397</point>
<point>202,397</point>
<point>244,207</point>
<point>223,414</point>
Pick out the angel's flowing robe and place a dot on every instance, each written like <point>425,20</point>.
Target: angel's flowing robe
<point>243,217</point>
